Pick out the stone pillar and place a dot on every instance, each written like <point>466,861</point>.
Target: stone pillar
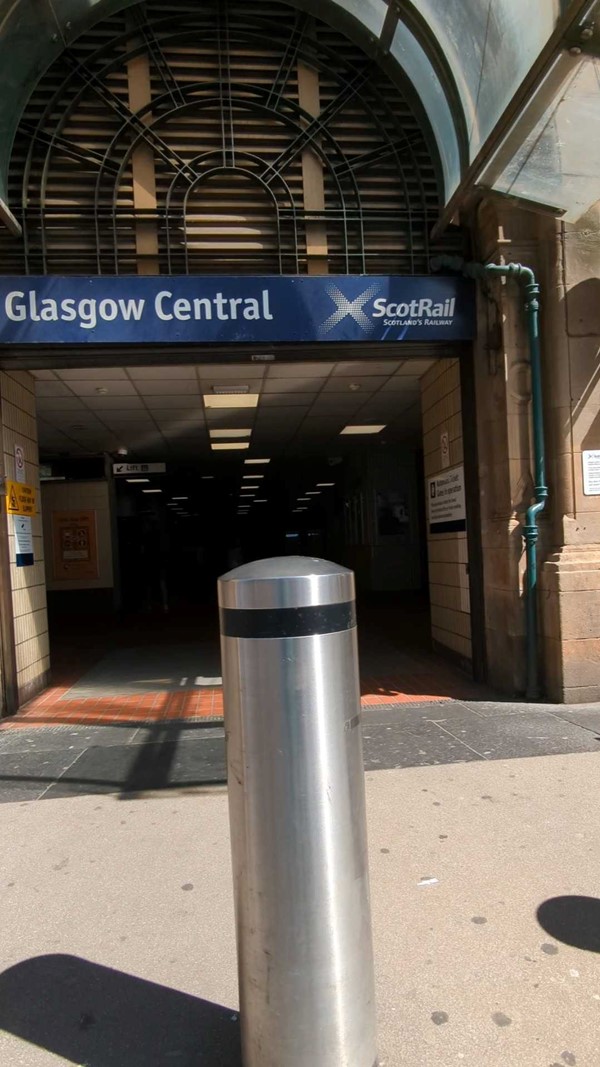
<point>502,383</point>
<point>570,576</point>
<point>567,262</point>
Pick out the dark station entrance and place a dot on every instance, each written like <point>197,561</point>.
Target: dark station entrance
<point>216,465</point>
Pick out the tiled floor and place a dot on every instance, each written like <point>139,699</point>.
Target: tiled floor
<point>423,680</point>
<point>171,677</point>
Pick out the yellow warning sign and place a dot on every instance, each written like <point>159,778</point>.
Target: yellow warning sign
<point>20,499</point>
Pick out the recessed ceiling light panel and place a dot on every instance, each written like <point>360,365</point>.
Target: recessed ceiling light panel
<point>231,400</point>
<point>230,433</point>
<point>364,429</point>
<point>229,446</point>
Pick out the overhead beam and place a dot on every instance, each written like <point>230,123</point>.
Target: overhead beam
<point>390,23</point>
<point>9,220</point>
<point>313,181</point>
<point>143,166</point>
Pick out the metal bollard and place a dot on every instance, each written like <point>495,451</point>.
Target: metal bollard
<point>297,813</point>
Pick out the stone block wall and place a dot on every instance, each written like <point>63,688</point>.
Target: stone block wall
<point>570,576</point>
<point>503,396</point>
<point>566,259</point>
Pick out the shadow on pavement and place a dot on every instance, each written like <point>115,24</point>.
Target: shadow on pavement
<point>153,764</point>
<point>573,920</point>
<point>88,1014</point>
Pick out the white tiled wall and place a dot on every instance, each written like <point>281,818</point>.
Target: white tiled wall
<point>28,583</point>
<point>448,555</point>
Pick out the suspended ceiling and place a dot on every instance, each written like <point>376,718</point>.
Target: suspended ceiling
<point>158,413</point>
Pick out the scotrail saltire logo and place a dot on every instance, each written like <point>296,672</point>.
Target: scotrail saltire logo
<point>345,308</point>
<point>420,312</point>
<point>370,313</point>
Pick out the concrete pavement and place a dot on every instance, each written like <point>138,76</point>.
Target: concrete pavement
<point>117,947</point>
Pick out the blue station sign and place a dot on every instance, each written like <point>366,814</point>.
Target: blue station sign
<point>258,309</point>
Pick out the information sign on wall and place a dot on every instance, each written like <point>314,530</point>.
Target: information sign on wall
<point>23,541</point>
<point>591,472</point>
<point>75,545</point>
<point>19,464</point>
<point>446,505</point>
<point>22,527</point>
<point>20,499</point>
<point>139,468</point>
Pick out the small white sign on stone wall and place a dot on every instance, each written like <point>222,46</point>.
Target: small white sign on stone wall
<point>23,537</point>
<point>591,472</point>
<point>19,464</point>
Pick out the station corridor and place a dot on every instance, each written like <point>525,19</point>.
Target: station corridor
<point>159,669</point>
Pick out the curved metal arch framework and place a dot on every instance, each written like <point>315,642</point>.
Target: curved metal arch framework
<point>206,175</point>
<point>85,74</point>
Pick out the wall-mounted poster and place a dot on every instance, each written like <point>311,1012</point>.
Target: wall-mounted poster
<point>393,516</point>
<point>75,545</point>
<point>352,520</point>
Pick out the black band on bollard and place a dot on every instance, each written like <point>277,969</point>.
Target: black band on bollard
<point>287,622</point>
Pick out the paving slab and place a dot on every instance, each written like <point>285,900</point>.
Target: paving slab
<point>28,775</point>
<point>50,762</point>
<point>584,715</point>
<point>64,738</point>
<point>141,768</point>
<point>419,743</point>
<point>118,933</point>
<point>533,732</point>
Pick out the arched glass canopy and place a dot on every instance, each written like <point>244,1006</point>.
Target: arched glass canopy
<point>497,81</point>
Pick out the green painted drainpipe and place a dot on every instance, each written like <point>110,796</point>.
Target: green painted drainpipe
<point>530,529</point>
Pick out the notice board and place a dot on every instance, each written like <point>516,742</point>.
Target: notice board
<point>75,546</point>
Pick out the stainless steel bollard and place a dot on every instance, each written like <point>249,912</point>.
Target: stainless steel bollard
<point>297,813</point>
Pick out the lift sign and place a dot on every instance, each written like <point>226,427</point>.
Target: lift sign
<point>236,309</point>
<point>20,499</point>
